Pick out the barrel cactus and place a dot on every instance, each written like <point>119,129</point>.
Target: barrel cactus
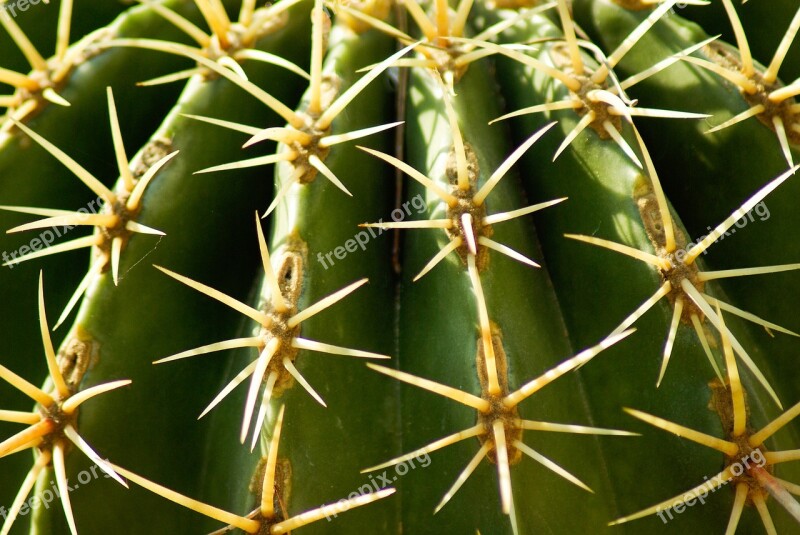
<point>355,266</point>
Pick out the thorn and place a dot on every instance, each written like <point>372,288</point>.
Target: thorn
<point>302,380</point>
<point>423,223</point>
<point>547,463</point>
<point>462,478</point>
<point>704,488</point>
<point>473,431</point>
<point>515,398</point>
<point>728,448</point>
<point>236,343</point>
<point>750,112</point>
<point>352,92</point>
<point>271,59</point>
<point>741,39</point>
<point>247,310</point>
<point>703,305</point>
<point>119,147</point>
<point>413,173</point>
<point>569,36</point>
<point>50,95</point>
<point>736,78</point>
<point>585,121</point>
<point>284,189</point>
<point>571,83</point>
<point>780,130</point>
<point>116,252</point>
<point>506,216</point>
<point>230,63</point>
<point>245,524</point>
<point>311,345</point>
<point>627,250</point>
<point>326,511</point>
<point>329,141</point>
<point>763,512</point>
<point>320,166</point>
<point>268,486</point>
<point>422,20</point>
<point>183,24</point>
<point>458,142</point>
<point>503,469</point>
<point>37,430</point>
<point>746,315</point>
<point>138,190</point>
<point>42,460</point>
<point>74,218</point>
<point>486,330</point>
<point>70,405</point>
<point>19,417</point>
<point>621,143</point>
<point>451,246</point>
<point>255,383</point>
<point>673,330</point>
<point>508,251</point>
<point>742,490</point>
<point>288,155</point>
<point>237,127</point>
<point>701,335</point>
<point>82,445</point>
<point>541,108</point>
<point>758,438</point>
<point>236,381</point>
<point>319,20</point>
<point>277,300</point>
<point>469,233</point>
<point>63,488</point>
<point>509,162</point>
<point>479,404</point>
<point>35,60</point>
<point>720,229</point>
<point>269,386</point>
<point>532,425</point>
<point>734,382</point>
<point>87,178</point>
<point>324,303</point>
<point>33,392</point>
<point>663,64</point>
<point>50,355</point>
<point>627,44</point>
<point>460,20</point>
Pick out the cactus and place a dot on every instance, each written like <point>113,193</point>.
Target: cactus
<point>504,267</point>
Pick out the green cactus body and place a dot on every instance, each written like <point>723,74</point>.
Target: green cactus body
<point>111,339</point>
<point>726,176</point>
<point>449,349</point>
<point>529,278</point>
<point>326,447</point>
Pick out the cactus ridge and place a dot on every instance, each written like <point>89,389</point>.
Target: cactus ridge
<point>114,225</point>
<point>742,446</point>
<point>683,282</point>
<point>43,82</point>
<point>767,97</point>
<point>53,423</point>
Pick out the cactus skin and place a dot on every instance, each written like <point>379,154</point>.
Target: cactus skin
<point>434,328</point>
